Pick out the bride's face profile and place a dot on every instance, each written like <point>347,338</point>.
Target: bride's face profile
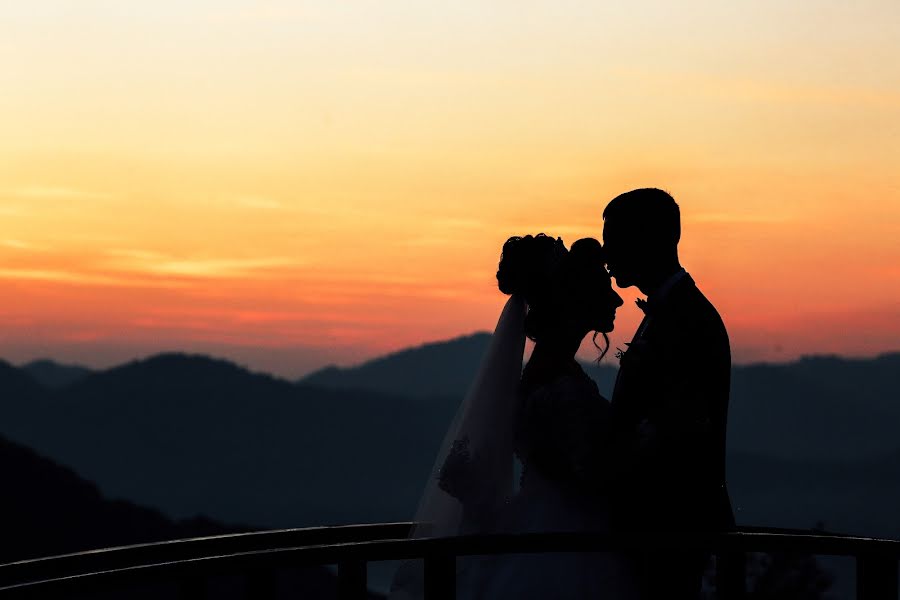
<point>592,297</point>
<point>608,301</point>
<point>599,301</point>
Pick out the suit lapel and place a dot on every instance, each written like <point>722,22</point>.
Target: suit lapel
<point>642,339</point>
<point>642,328</point>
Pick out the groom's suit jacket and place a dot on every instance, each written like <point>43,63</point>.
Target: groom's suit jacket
<point>669,410</point>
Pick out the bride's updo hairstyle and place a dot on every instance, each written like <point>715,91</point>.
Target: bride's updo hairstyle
<point>554,281</point>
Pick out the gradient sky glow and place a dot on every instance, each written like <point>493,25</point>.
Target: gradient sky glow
<point>295,183</point>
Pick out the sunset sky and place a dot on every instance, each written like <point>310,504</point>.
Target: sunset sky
<point>291,184</point>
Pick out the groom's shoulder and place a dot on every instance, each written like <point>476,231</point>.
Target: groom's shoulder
<point>696,310</point>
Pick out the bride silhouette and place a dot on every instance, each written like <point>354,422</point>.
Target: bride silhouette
<point>551,417</point>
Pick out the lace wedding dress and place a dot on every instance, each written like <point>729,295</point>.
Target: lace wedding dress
<point>554,420</point>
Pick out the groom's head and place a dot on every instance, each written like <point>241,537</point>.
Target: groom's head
<point>641,229</point>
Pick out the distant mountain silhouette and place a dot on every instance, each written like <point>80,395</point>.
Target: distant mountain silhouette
<point>851,496</point>
<point>190,434</point>
<point>17,385</point>
<point>822,407</point>
<point>48,510</point>
<point>53,375</point>
<point>434,369</point>
<point>826,406</point>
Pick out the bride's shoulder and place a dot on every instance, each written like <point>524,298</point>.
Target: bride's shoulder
<point>569,383</point>
<point>564,397</point>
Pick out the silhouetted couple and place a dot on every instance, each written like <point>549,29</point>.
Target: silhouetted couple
<point>652,459</point>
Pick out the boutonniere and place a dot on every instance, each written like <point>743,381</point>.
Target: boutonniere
<point>636,351</point>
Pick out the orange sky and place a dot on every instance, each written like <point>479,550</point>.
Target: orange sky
<point>291,184</point>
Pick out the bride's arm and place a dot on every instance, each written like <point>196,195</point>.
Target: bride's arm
<point>563,430</point>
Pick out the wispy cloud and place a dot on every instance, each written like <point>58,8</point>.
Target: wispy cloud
<point>22,245</point>
<point>55,193</point>
<point>75,278</point>
<point>143,261</point>
<point>219,267</point>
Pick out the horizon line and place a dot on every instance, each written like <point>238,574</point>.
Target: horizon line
<point>245,365</point>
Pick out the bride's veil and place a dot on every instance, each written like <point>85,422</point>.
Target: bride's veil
<point>481,434</point>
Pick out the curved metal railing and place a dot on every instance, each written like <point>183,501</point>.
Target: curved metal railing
<point>353,547</point>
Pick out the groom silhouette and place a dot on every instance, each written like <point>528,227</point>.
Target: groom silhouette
<point>670,400</point>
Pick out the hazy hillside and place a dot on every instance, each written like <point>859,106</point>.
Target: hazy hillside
<point>189,435</point>
<point>444,369</point>
<point>48,510</point>
<point>437,369</point>
<point>816,408</point>
<point>53,375</point>
<point>18,388</point>
<point>851,496</point>
<point>814,440</point>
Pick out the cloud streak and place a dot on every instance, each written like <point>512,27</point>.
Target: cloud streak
<point>149,262</point>
<point>22,245</point>
<point>89,279</point>
<point>55,193</point>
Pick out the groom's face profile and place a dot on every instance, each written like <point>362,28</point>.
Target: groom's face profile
<point>641,230</point>
<point>620,259</point>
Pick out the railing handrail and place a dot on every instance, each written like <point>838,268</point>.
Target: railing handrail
<point>404,548</point>
<point>122,557</point>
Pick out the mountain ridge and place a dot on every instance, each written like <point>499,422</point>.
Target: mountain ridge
<point>188,433</point>
<point>53,511</point>
<point>324,375</point>
<point>420,367</point>
<point>53,375</point>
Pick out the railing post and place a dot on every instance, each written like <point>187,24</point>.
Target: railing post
<point>876,577</point>
<point>440,577</point>
<point>731,576</point>
<point>352,580</point>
